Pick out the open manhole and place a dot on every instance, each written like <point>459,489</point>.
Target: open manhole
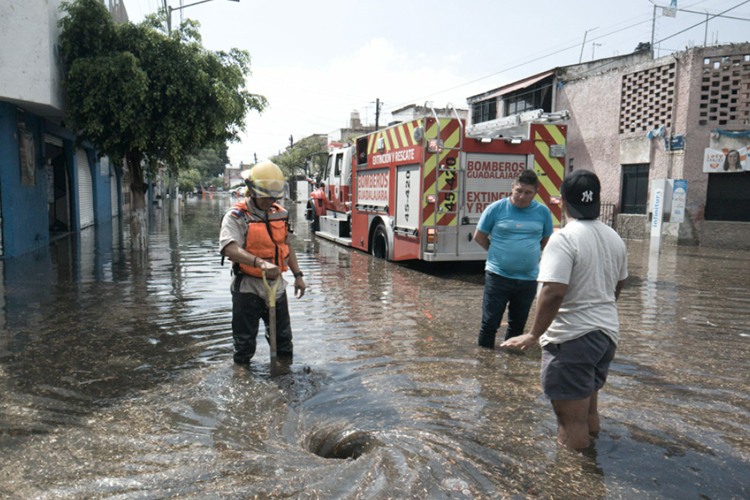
<point>340,443</point>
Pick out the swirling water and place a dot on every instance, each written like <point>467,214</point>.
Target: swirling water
<point>117,380</point>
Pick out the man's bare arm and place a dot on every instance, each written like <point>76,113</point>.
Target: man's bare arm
<point>550,299</point>
<point>618,288</point>
<point>483,239</point>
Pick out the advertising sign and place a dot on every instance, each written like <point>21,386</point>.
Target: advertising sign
<point>679,199</point>
<point>372,188</point>
<point>489,178</point>
<point>725,160</point>
<point>656,222</point>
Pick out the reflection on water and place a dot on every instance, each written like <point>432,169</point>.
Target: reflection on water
<point>117,380</point>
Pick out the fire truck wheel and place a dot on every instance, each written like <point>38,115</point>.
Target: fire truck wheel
<point>380,243</point>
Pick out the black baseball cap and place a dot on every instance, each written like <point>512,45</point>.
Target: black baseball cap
<point>581,191</point>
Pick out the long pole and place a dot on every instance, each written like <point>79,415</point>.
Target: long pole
<point>377,113</point>
<point>583,45</point>
<point>705,35</point>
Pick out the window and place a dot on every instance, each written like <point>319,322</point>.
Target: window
<point>634,198</point>
<point>329,167</point>
<point>537,96</point>
<point>339,162</point>
<point>728,197</point>
<point>362,151</point>
<point>484,111</point>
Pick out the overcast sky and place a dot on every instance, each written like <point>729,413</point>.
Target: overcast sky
<point>317,61</point>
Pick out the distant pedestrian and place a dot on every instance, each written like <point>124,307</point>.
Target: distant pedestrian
<point>254,235</point>
<point>582,272</point>
<point>514,232</point>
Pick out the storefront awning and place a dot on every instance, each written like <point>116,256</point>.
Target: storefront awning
<point>528,82</point>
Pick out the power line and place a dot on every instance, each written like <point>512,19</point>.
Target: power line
<point>702,22</point>
<point>530,61</point>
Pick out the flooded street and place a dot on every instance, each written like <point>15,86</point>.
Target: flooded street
<point>117,380</point>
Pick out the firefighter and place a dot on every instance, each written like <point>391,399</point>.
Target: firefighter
<point>255,237</point>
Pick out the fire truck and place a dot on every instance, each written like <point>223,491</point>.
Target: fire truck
<point>416,190</point>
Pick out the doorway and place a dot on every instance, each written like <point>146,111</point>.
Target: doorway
<point>58,193</point>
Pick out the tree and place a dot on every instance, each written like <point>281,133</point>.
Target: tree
<point>292,161</point>
<point>210,161</point>
<point>189,179</point>
<point>137,93</point>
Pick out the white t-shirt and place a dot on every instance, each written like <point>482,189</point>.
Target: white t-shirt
<point>589,257</point>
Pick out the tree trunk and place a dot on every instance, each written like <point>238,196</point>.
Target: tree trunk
<point>139,217</point>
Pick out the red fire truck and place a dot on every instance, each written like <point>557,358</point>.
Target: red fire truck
<point>416,190</point>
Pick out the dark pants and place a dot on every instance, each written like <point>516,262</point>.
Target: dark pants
<point>501,292</point>
<point>247,311</point>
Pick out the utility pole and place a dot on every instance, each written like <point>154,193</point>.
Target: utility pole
<point>377,113</point>
<point>594,45</point>
<point>291,141</point>
<point>255,157</point>
<point>584,43</point>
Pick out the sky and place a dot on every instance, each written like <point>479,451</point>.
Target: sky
<point>317,61</point>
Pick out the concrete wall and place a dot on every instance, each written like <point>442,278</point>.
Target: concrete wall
<point>593,142</point>
<point>717,234</point>
<point>31,74</point>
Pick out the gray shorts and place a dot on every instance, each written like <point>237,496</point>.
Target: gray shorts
<point>577,368</point>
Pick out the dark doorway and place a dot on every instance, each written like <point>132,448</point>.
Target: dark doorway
<point>728,197</point>
<point>58,194</point>
<point>634,189</point>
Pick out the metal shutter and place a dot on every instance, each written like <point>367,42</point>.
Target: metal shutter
<point>85,190</point>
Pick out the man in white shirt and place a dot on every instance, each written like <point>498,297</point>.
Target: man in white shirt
<point>582,272</point>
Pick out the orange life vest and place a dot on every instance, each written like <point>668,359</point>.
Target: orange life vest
<point>266,239</point>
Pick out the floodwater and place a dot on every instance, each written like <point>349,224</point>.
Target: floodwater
<point>117,381</point>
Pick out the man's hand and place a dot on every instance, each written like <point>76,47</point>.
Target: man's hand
<point>272,270</point>
<point>524,342</point>
<point>299,287</point>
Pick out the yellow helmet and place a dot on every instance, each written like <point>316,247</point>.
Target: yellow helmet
<point>264,180</point>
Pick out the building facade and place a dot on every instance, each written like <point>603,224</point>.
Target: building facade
<point>635,120</point>
<point>48,183</point>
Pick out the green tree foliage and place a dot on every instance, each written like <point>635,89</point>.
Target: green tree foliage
<point>189,180</point>
<point>137,93</point>
<point>292,161</point>
<point>211,162</point>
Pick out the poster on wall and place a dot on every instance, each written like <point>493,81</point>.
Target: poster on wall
<point>717,161</point>
<point>679,200</point>
<point>26,150</point>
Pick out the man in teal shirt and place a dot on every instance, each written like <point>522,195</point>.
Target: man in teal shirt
<point>514,232</point>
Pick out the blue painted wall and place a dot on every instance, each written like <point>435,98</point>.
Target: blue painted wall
<point>25,215</point>
<point>25,225</point>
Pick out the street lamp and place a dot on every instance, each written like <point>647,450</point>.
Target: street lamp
<point>169,10</point>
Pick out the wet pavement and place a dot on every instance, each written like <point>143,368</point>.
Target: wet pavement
<point>117,381</point>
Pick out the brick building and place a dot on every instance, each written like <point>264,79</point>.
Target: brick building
<point>635,119</point>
